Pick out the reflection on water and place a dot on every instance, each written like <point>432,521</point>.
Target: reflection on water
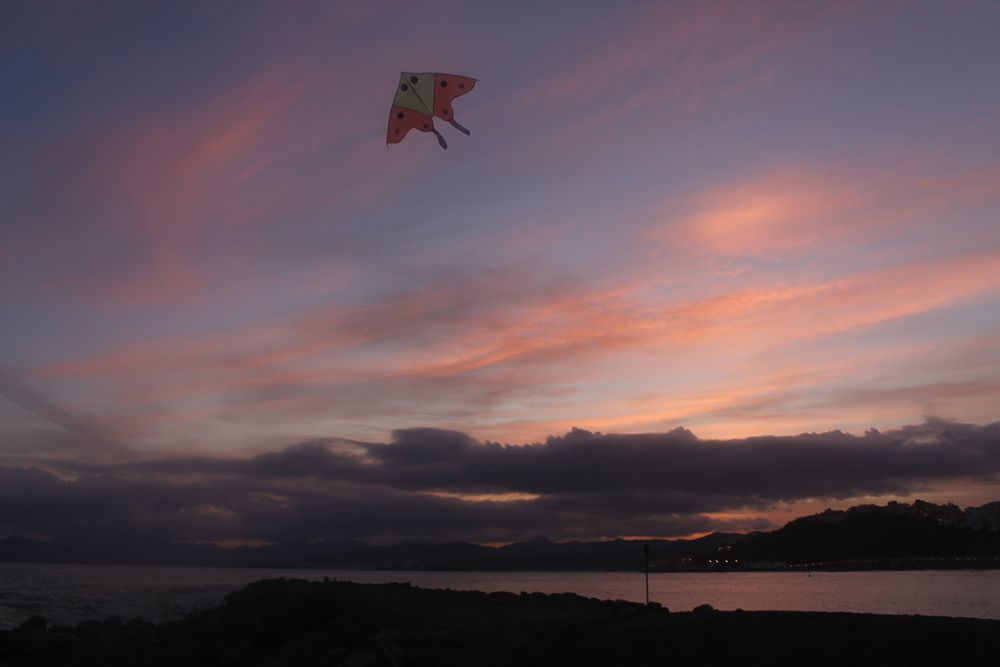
<point>72,593</point>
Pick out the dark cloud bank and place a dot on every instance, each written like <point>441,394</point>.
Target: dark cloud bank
<point>430,484</point>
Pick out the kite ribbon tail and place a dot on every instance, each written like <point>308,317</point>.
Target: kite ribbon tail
<point>441,141</point>
<point>457,126</point>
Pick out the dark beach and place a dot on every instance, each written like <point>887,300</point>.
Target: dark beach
<point>294,622</point>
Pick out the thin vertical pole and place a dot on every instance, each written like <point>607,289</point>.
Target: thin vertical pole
<point>645,564</point>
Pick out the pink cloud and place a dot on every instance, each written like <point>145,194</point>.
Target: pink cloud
<point>791,211</point>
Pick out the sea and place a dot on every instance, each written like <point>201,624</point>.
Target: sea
<point>69,594</point>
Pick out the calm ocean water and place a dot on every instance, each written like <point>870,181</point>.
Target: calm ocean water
<point>73,593</point>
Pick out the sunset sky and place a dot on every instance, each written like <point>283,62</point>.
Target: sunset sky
<point>232,312</point>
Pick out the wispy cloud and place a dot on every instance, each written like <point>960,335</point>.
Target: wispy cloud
<point>441,354</point>
<point>88,434</point>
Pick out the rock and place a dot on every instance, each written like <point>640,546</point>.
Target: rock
<point>138,630</point>
<point>386,642</point>
<point>113,623</point>
<point>137,623</point>
<point>35,624</point>
<point>29,637</point>
<point>336,655</point>
<point>360,659</point>
<point>89,629</point>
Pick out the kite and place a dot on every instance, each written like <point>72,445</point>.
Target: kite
<point>420,97</point>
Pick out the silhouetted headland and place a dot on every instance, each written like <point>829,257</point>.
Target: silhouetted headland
<point>295,622</point>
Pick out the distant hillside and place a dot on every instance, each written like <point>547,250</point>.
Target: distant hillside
<point>865,537</point>
<point>919,532</point>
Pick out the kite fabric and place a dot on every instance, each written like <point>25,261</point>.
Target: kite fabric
<point>421,97</point>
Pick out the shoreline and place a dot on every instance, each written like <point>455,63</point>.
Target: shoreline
<point>293,621</point>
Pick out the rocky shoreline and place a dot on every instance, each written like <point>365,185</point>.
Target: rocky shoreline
<point>295,622</point>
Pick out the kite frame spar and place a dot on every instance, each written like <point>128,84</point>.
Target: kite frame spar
<point>405,79</point>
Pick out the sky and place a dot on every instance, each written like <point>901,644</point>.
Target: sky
<point>699,266</point>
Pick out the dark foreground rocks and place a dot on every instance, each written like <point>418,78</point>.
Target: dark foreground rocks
<point>292,622</point>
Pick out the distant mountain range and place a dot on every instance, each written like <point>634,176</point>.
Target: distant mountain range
<point>863,537</point>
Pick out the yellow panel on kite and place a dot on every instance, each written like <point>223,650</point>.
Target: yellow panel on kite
<point>423,86</point>
<point>408,92</point>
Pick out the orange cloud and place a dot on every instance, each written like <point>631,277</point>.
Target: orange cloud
<point>763,219</point>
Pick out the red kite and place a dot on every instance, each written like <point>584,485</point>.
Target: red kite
<point>420,97</point>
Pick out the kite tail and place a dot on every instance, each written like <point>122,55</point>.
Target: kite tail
<point>457,126</point>
<point>441,141</point>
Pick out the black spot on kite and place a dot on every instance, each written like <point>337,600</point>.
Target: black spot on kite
<point>444,84</point>
<point>397,130</point>
<point>404,87</point>
<point>444,111</point>
<point>461,85</point>
<point>413,79</point>
<point>426,126</point>
<point>399,115</point>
